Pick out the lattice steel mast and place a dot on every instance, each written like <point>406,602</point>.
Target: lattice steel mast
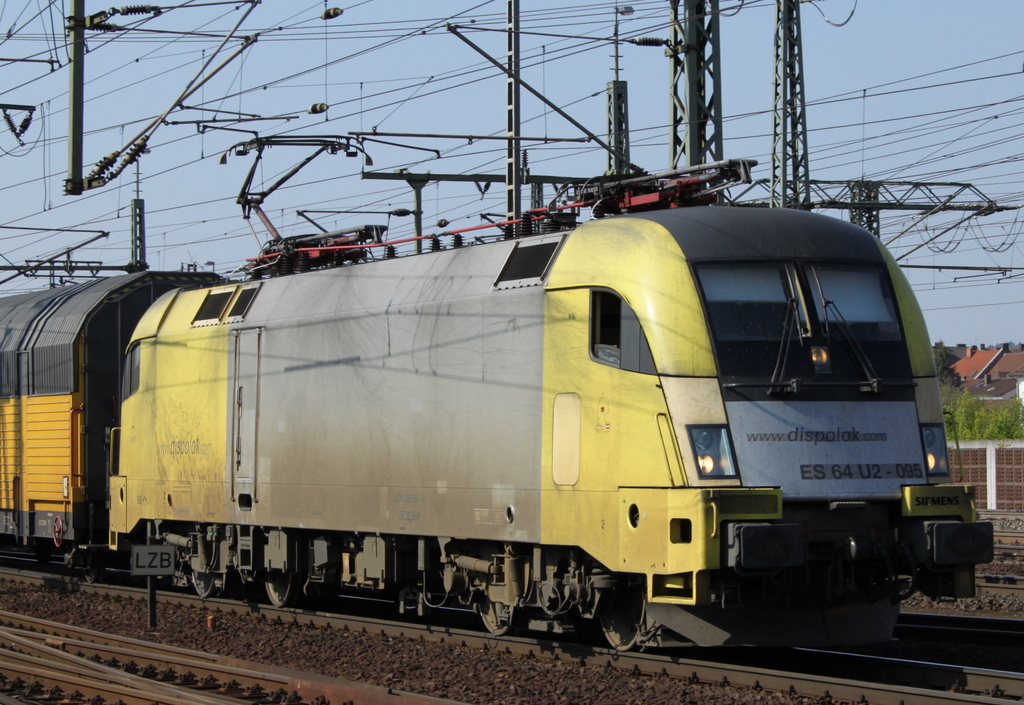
<point>695,120</point>
<point>790,171</point>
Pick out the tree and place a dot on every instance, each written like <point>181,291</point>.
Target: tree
<point>944,365</point>
<point>971,419</point>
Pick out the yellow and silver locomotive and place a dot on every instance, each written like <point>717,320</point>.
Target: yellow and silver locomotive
<point>712,424</point>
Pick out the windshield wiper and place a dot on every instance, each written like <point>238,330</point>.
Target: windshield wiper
<point>778,385</point>
<point>872,382</point>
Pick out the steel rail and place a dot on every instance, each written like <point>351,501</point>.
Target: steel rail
<point>139,672</point>
<point>999,515</point>
<point>999,584</point>
<point>960,629</point>
<point>34,673</point>
<point>1005,551</point>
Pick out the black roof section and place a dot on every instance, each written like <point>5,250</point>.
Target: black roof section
<point>738,233</point>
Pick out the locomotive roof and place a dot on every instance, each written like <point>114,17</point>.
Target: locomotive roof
<point>729,232</point>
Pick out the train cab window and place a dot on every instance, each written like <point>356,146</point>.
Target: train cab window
<point>754,311</point>
<point>858,296</point>
<point>616,338</point>
<point>858,319</point>
<point>752,302</point>
<point>793,320</point>
<point>130,378</point>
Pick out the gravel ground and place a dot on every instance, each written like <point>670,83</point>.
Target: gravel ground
<point>459,673</point>
<point>445,671</point>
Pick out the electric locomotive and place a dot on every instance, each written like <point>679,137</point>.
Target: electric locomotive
<point>711,425</point>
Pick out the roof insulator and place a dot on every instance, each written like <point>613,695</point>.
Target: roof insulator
<point>138,10</point>
<point>647,41</point>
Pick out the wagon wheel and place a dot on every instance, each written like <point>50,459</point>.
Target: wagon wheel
<point>280,587</point>
<point>94,569</point>
<point>623,623</point>
<point>496,616</point>
<point>204,583</point>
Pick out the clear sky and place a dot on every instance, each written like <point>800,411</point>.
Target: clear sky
<point>914,91</point>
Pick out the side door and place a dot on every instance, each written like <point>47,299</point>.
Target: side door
<point>247,344</point>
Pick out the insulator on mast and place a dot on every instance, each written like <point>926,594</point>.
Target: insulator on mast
<point>646,41</point>
<point>139,10</point>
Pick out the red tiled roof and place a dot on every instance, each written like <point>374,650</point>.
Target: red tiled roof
<point>1007,365</point>
<point>971,367</point>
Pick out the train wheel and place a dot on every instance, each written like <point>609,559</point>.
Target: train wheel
<point>280,587</point>
<point>204,583</point>
<point>95,569</point>
<point>623,623</point>
<point>496,617</point>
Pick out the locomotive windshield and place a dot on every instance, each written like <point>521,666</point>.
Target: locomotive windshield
<point>791,324</point>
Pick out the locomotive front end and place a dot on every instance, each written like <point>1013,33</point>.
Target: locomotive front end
<point>810,480</point>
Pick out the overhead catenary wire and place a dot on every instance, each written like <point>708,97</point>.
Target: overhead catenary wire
<point>550,157</point>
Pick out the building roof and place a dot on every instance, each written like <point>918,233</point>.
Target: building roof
<point>977,363</point>
<point>1008,364</point>
<point>1004,388</point>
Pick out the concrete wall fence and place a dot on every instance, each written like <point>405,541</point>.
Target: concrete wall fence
<point>995,468</point>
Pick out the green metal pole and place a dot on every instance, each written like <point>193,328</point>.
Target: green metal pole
<point>76,29</point>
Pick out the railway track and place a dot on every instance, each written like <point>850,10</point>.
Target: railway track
<point>841,676</point>
<point>45,661</point>
<point>999,584</point>
<point>1000,516</point>
<point>1008,552</point>
<point>960,629</point>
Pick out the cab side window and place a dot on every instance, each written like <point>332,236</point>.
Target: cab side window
<point>130,378</point>
<point>616,338</point>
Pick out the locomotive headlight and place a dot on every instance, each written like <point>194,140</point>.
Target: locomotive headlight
<point>713,451</point>
<point>821,359</point>
<point>933,441</point>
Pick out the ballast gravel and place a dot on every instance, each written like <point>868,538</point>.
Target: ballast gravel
<point>459,673</point>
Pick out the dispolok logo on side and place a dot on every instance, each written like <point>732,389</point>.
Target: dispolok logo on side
<point>186,446</point>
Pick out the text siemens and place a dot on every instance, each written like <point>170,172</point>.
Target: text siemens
<point>936,501</point>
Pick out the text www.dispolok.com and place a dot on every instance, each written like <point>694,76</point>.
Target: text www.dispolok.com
<point>187,446</point>
<point>807,435</point>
